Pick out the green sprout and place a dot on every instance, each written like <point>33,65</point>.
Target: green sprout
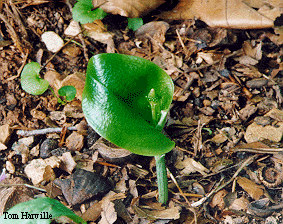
<point>83,12</point>
<point>33,84</point>
<point>125,100</point>
<point>134,23</point>
<point>38,211</point>
<point>69,92</point>
<point>30,80</point>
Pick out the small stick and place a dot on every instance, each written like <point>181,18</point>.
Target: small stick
<point>181,41</point>
<point>43,131</point>
<point>244,164</point>
<point>183,195</point>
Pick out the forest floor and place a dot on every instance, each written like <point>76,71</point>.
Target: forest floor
<point>226,120</point>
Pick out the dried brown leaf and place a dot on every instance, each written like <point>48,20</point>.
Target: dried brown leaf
<point>253,189</point>
<point>169,213</point>
<point>218,199</point>
<point>108,213</point>
<point>10,196</point>
<point>127,8</point>
<point>223,13</point>
<point>189,165</point>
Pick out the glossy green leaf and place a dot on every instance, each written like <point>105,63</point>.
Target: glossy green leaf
<point>135,23</point>
<point>126,99</point>
<point>83,12</point>
<point>30,80</point>
<point>68,91</point>
<point>38,211</point>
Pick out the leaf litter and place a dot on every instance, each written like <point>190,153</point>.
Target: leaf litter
<point>226,117</point>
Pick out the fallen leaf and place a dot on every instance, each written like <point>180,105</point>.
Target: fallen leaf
<point>111,152</point>
<point>108,213</point>
<point>240,204</point>
<point>98,32</point>
<point>229,14</point>
<point>257,132</point>
<point>189,165</point>
<point>127,8</point>
<point>218,199</point>
<point>253,189</point>
<point>154,31</point>
<point>54,78</point>
<point>94,211</point>
<point>10,196</point>
<point>169,213</point>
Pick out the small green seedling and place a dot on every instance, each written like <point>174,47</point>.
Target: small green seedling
<point>69,92</point>
<point>126,99</point>
<point>83,12</point>
<point>30,80</point>
<point>33,84</point>
<point>134,23</point>
<point>38,211</point>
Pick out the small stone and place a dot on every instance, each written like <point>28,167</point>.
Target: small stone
<point>47,146</point>
<point>26,141</point>
<point>83,185</point>
<point>68,162</point>
<point>91,137</point>
<point>38,169</point>
<point>59,151</point>
<point>10,167</point>
<point>52,40</point>
<point>5,133</point>
<point>73,29</point>
<point>75,141</point>
<point>206,103</point>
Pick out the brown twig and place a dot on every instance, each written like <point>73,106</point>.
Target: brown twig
<point>183,195</point>
<point>243,165</point>
<point>43,131</point>
<point>12,33</point>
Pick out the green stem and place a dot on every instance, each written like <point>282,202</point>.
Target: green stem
<point>58,99</point>
<point>162,181</point>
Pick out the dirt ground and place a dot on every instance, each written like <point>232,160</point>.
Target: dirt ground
<point>226,120</point>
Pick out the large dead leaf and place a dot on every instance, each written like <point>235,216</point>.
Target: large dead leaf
<point>128,8</point>
<point>225,13</point>
<point>253,189</point>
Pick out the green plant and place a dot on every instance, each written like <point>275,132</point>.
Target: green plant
<point>126,100</point>
<point>134,23</point>
<point>69,92</point>
<point>38,211</point>
<point>33,84</point>
<point>30,80</point>
<point>84,12</point>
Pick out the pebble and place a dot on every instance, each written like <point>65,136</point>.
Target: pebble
<point>75,141</point>
<point>52,40</point>
<point>47,146</point>
<point>83,185</point>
